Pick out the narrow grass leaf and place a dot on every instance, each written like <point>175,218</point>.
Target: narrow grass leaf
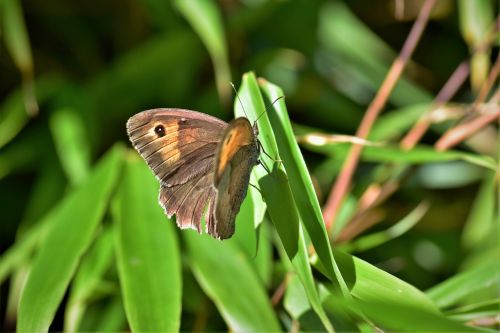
<point>363,67</point>
<point>301,184</point>
<point>72,229</point>
<point>87,279</point>
<point>149,264</point>
<point>393,124</point>
<point>276,191</point>
<point>480,222</point>
<point>371,284</point>
<point>71,143</point>
<point>206,20</point>
<point>278,195</point>
<point>405,318</point>
<point>459,286</point>
<point>18,45</point>
<point>378,238</point>
<point>13,115</point>
<point>476,25</point>
<point>225,274</point>
<point>394,154</point>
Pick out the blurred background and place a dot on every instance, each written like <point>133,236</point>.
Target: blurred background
<point>73,72</point>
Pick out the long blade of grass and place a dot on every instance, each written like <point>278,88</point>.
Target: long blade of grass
<point>17,41</point>
<point>71,143</point>
<point>73,225</point>
<point>147,251</point>
<point>206,20</point>
<point>277,193</point>
<point>301,184</point>
<point>401,318</point>
<point>480,222</point>
<point>375,239</point>
<point>394,154</point>
<point>460,286</point>
<point>13,115</point>
<point>87,279</point>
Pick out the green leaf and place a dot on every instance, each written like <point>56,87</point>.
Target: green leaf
<point>392,124</point>
<point>375,239</point>
<point>480,222</point>
<point>71,144</point>
<point>148,256</point>
<point>225,274</point>
<point>476,24</point>
<point>394,154</point>
<point>403,318</point>
<point>301,184</point>
<point>18,45</point>
<point>206,20</point>
<point>87,279</point>
<point>458,287</point>
<point>72,228</point>
<point>277,194</point>
<point>364,68</point>
<point>371,284</point>
<point>13,115</point>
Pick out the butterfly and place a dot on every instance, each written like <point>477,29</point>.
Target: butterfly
<point>200,161</point>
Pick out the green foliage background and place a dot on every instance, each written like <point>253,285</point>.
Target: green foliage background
<point>86,247</point>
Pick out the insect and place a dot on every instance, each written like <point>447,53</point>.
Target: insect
<point>200,161</point>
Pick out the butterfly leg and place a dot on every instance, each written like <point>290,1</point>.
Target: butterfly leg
<point>264,166</point>
<point>261,147</point>
<point>255,187</point>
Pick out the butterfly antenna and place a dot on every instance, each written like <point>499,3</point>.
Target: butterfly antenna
<point>267,108</point>
<point>238,97</point>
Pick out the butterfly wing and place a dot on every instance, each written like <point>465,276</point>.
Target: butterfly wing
<point>179,146</point>
<point>236,155</point>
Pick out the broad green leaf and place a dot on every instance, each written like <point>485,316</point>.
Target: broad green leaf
<point>72,228</point>
<point>206,20</point>
<point>148,255</point>
<point>225,274</point>
<point>459,286</point>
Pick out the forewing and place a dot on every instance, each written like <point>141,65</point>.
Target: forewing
<point>189,140</point>
<point>179,146</point>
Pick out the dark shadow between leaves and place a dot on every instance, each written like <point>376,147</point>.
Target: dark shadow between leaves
<point>281,208</point>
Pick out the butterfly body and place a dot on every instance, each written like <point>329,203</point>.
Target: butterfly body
<point>200,161</point>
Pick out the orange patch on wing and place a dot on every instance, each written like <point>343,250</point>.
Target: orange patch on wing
<point>240,136</point>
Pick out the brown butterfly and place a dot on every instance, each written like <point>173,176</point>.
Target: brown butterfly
<point>200,161</point>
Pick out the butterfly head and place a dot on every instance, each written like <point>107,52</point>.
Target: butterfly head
<point>255,129</point>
